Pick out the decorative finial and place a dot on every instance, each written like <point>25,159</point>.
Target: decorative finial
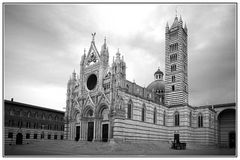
<point>93,35</point>
<point>105,39</point>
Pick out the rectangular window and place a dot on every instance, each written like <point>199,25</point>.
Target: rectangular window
<point>35,136</point>
<point>10,135</point>
<point>55,136</point>
<point>28,136</point>
<point>173,78</point>
<point>173,88</point>
<point>61,137</point>
<point>49,136</point>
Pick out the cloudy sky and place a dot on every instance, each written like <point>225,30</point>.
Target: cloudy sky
<point>43,45</point>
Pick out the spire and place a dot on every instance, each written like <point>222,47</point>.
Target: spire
<point>167,26</point>
<point>84,52</point>
<point>118,55</point>
<point>74,75</point>
<point>175,23</point>
<point>185,27</point>
<point>180,20</point>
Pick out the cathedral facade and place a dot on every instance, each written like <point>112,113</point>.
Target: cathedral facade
<point>102,105</point>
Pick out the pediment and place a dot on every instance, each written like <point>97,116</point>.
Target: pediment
<point>89,101</point>
<point>103,99</point>
<point>92,56</point>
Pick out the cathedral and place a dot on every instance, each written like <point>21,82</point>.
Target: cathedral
<point>102,105</point>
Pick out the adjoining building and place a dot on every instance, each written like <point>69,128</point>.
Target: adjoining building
<point>103,105</point>
<point>25,123</point>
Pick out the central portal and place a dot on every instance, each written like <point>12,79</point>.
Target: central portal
<point>90,131</point>
<point>105,132</point>
<point>77,133</point>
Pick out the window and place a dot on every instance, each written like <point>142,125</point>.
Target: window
<point>35,136</point>
<point>173,47</point>
<point>61,137</point>
<point>55,136</point>
<point>200,120</point>
<point>50,117</point>
<point>56,118</point>
<point>28,114</point>
<point>62,127</point>
<point>164,118</point>
<point>155,116</point>
<point>190,119</point>
<point>49,136</point>
<point>11,123</point>
<point>19,124</point>
<point>49,127</point>
<point>35,126</point>
<point>28,136</point>
<point>173,78</point>
<point>173,67</point>
<point>173,88</point>
<point>129,110</point>
<point>173,57</point>
<point>43,116</point>
<point>55,127</point>
<point>10,135</point>
<point>143,113</point>
<point>28,125</point>
<point>176,118</point>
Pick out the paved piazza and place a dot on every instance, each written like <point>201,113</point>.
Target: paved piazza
<point>72,148</point>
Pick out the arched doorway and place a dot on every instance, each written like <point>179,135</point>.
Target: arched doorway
<point>19,138</point>
<point>226,128</point>
<point>77,126</point>
<point>90,125</point>
<point>105,124</point>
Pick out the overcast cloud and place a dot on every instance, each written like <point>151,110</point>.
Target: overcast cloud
<point>44,43</point>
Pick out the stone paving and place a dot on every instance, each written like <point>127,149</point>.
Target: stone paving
<point>117,149</point>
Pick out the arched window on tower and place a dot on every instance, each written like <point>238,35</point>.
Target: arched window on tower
<point>129,110</point>
<point>176,118</point>
<point>155,116</point>
<point>173,67</point>
<point>200,120</point>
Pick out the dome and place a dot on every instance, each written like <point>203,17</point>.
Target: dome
<point>156,85</point>
<point>158,72</point>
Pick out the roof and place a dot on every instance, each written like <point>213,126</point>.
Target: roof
<point>175,23</point>
<point>158,72</point>
<point>156,85</point>
<point>32,106</point>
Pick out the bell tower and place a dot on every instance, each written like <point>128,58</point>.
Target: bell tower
<point>176,63</point>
